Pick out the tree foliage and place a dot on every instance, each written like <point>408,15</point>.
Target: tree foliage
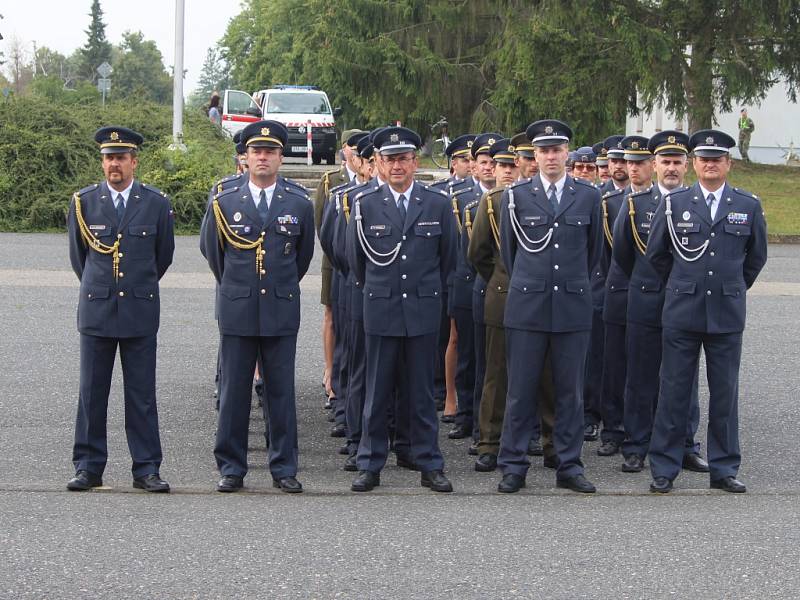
<point>97,49</point>
<point>139,70</point>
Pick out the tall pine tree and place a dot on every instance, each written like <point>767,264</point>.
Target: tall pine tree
<point>97,49</point>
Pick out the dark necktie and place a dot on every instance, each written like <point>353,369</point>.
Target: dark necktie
<point>120,208</point>
<point>710,203</point>
<point>401,206</point>
<point>263,209</point>
<point>553,198</point>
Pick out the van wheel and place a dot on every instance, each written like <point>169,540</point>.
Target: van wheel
<point>316,159</point>
<point>330,159</point>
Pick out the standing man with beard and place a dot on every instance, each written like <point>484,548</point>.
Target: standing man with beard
<point>708,243</point>
<point>550,239</point>
<point>259,243</point>
<point>120,245</point>
<point>645,304</point>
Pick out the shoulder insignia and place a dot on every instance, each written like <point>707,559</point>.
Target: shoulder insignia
<point>227,191</point>
<point>471,205</point>
<point>462,190</point>
<point>520,182</point>
<point>580,181</point>
<point>644,193</point>
<point>613,193</point>
<point>745,193</point>
<point>89,188</point>
<point>153,189</point>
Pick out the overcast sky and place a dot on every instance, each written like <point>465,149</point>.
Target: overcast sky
<point>61,25</point>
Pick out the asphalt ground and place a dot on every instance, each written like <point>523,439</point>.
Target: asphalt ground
<point>400,541</point>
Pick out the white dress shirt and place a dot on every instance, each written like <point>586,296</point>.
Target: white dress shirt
<point>255,192</point>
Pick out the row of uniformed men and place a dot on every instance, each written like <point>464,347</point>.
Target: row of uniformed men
<point>401,247</point>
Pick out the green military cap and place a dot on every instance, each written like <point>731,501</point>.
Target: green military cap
<point>348,133</point>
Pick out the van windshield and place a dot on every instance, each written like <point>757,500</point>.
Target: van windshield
<point>279,103</point>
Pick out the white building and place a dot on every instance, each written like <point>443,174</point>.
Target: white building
<point>777,122</point>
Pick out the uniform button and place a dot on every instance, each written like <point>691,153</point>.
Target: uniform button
<point>122,294</point>
<point>598,273</point>
<point>263,252</point>
<point>144,233</point>
<point>263,291</point>
<point>712,254</point>
<point>555,224</point>
<point>119,236</point>
<point>403,257</point>
<point>612,287</point>
<point>429,233</point>
<point>263,233</point>
<point>711,272</point>
<point>524,289</point>
<point>403,276</point>
<point>121,274</point>
<point>499,288</point>
<point>555,267</point>
<point>435,293</point>
<point>88,295</point>
<point>151,295</point>
<point>263,272</point>
<point>713,234</point>
<point>555,246</point>
<point>404,237</point>
<point>405,295</point>
<point>642,288</point>
<point>555,288</point>
<point>121,255</point>
<point>708,292</point>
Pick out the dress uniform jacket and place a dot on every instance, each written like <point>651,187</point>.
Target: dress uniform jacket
<point>464,276</point>
<point>615,298</point>
<point>404,298</point>
<point>267,305</point>
<point>129,306</point>
<point>329,180</point>
<point>550,291</point>
<point>708,295</point>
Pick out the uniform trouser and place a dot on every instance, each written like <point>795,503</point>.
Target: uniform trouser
<point>465,370</point>
<point>479,338</point>
<point>612,400</point>
<point>440,375</point>
<point>355,384</point>
<point>641,392</point>
<point>138,358</point>
<point>417,406</point>
<point>341,357</point>
<point>239,355</point>
<point>744,145</point>
<point>525,352</point>
<point>681,354</point>
<point>594,370</point>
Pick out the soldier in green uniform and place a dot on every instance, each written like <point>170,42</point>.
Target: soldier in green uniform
<point>746,127</point>
<point>344,174</point>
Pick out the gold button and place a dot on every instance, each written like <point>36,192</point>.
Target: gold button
<point>122,294</point>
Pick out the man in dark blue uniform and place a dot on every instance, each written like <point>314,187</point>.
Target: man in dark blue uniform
<point>550,236</point>
<point>401,242</point>
<point>708,243</point>
<point>120,245</point>
<point>645,304</point>
<point>259,242</point>
<point>602,163</point>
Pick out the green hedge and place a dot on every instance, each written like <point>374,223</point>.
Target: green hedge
<point>47,152</point>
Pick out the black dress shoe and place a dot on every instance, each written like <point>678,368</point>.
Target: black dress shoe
<point>633,464</point>
<point>729,484</point>
<point>661,485</point>
<point>695,462</point>
<point>406,463</point>
<point>486,463</point>
<point>230,483</point>
<point>608,448</point>
<point>511,483</point>
<point>344,449</point>
<point>577,483</point>
<point>535,448</point>
<point>258,387</point>
<point>437,481</point>
<point>550,462</point>
<point>350,464</point>
<point>473,449</point>
<point>338,431</point>
<point>459,432</point>
<point>151,483</point>
<point>591,432</point>
<point>83,481</point>
<point>290,485</point>
<point>448,419</point>
<point>365,481</point>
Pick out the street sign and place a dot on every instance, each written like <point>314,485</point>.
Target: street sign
<point>103,85</point>
<point>104,70</point>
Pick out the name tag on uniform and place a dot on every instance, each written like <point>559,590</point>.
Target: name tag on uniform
<point>287,220</point>
<point>428,223</point>
<point>97,227</point>
<point>645,224</point>
<point>377,227</point>
<point>533,218</point>
<point>736,218</point>
<point>684,225</point>
<point>236,226</point>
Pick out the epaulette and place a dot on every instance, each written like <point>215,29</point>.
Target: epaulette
<point>745,193</point>
<point>440,182</point>
<point>471,205</point>
<point>520,182</point>
<point>646,192</point>
<point>496,189</point>
<point>291,183</point>
<point>88,188</point>
<point>584,183</point>
<point>227,179</point>
<point>613,193</point>
<point>462,190</point>
<point>226,192</point>
<point>442,192</point>
<point>154,189</point>
<point>298,191</point>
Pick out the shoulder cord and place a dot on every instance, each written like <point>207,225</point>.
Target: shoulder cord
<point>606,228</point>
<point>346,208</point>
<point>641,245</point>
<point>369,251</point>
<point>95,244</point>
<point>467,222</point>
<point>517,229</point>
<point>226,233</point>
<point>701,249</point>
<point>493,221</point>
<point>456,214</point>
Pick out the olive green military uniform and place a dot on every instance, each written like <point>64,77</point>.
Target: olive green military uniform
<point>329,181</point>
<point>484,254</point>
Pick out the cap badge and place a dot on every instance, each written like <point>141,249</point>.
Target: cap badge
<point>265,131</point>
<point>634,145</point>
<point>548,130</point>
<point>511,148</point>
<point>394,138</point>
<point>709,140</point>
<point>619,145</point>
<point>469,143</point>
<point>490,141</point>
<point>671,139</point>
<point>114,136</point>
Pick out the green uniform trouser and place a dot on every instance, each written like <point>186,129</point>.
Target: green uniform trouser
<point>327,275</point>
<point>744,144</point>
<point>493,400</point>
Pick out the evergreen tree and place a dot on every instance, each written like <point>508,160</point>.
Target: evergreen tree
<point>97,49</point>
<point>139,70</point>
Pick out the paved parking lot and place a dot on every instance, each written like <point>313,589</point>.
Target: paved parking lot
<point>401,540</point>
